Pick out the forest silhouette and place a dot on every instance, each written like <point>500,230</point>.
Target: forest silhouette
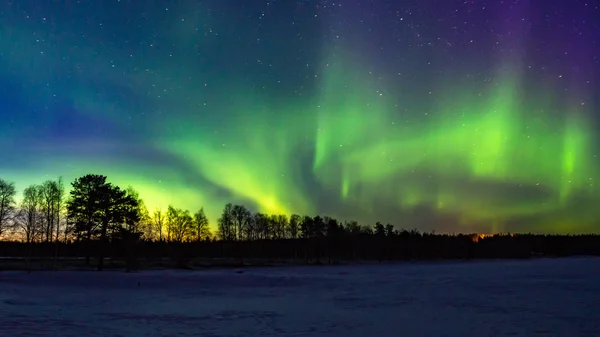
<point>100,225</point>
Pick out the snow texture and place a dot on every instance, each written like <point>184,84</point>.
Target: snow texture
<point>547,297</point>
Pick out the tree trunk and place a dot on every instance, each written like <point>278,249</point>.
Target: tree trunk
<point>103,241</point>
<point>29,250</point>
<point>88,249</point>
<point>56,243</point>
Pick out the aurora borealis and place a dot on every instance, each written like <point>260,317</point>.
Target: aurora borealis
<point>443,115</point>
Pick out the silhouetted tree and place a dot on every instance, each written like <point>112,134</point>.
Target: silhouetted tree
<point>226,224</point>
<point>353,228</point>
<point>379,229</point>
<point>294,226</point>
<point>307,227</point>
<point>69,225</point>
<point>129,212</point>
<point>390,230</point>
<point>319,227</point>
<point>83,207</point>
<point>179,222</point>
<point>272,226</point>
<point>332,227</point>
<point>263,230</point>
<point>334,234</point>
<point>200,225</point>
<point>7,203</point>
<point>240,216</point>
<point>58,205</point>
<point>144,224</point>
<point>31,212</point>
<point>251,229</point>
<point>117,211</point>
<point>98,209</point>
<point>280,224</point>
<point>127,224</point>
<point>183,229</point>
<point>293,230</point>
<point>31,217</point>
<point>58,209</point>
<point>50,191</point>
<point>158,222</point>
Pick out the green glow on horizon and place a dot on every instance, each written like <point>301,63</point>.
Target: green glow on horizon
<point>488,139</point>
<point>482,154</point>
<point>469,158</point>
<point>252,158</point>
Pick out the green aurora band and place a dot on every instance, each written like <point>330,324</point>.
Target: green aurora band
<point>483,158</point>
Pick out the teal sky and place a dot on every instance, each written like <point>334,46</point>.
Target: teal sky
<point>438,115</point>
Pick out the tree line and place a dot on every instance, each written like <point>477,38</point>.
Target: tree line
<point>94,209</point>
<point>99,220</point>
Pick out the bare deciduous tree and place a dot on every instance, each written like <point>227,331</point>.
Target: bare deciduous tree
<point>144,224</point>
<point>50,192</point>
<point>158,223</point>
<point>31,212</point>
<point>179,223</point>
<point>261,223</point>
<point>241,218</point>
<point>201,225</point>
<point>7,203</point>
<point>280,224</point>
<point>225,224</point>
<point>59,204</point>
<point>294,226</point>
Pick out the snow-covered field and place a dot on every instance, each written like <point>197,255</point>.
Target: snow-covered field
<point>551,297</point>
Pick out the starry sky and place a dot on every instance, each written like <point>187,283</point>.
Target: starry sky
<point>446,115</point>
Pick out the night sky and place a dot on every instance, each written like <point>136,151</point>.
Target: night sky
<point>455,116</point>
